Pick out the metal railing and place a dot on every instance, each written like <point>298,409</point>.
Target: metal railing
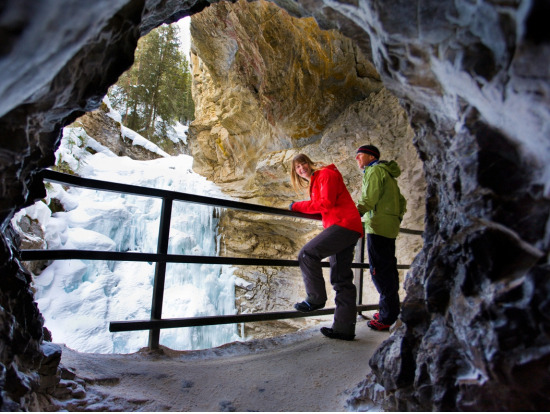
<point>161,258</point>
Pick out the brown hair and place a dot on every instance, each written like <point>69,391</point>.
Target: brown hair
<point>299,183</point>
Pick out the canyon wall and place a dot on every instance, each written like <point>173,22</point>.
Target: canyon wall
<point>473,80</point>
<point>268,86</point>
<point>264,81</point>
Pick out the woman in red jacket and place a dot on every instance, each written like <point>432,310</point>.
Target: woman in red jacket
<point>342,228</point>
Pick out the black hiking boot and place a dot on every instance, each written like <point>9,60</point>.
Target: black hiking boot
<point>330,333</point>
<point>305,306</point>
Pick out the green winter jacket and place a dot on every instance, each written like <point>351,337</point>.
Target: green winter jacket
<point>381,204</point>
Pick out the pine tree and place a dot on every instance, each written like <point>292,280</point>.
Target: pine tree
<point>156,91</point>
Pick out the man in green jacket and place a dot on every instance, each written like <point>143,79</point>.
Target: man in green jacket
<point>382,206</point>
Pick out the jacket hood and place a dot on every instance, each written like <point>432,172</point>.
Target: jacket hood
<point>391,167</point>
<point>331,167</point>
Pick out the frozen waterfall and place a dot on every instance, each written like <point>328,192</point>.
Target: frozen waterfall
<point>78,298</point>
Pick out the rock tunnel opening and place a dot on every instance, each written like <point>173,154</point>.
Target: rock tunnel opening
<point>361,112</point>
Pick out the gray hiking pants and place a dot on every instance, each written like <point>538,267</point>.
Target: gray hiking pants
<point>337,243</point>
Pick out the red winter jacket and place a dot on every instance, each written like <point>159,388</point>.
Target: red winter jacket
<point>330,197</point>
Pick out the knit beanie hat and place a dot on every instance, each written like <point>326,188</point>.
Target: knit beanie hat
<point>369,149</point>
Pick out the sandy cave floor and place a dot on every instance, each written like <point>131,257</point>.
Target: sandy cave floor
<point>303,371</point>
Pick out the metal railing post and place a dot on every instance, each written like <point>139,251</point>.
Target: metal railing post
<point>360,258</point>
<point>160,271</point>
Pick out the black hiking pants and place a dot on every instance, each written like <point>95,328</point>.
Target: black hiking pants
<point>383,269</point>
<point>337,243</point>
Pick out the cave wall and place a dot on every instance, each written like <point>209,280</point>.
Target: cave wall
<point>473,77</point>
<point>57,59</point>
<point>475,321</point>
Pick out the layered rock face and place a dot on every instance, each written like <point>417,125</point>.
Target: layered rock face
<point>268,86</point>
<point>264,81</point>
<point>473,78</point>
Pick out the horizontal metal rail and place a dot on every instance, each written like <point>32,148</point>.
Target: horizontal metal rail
<point>410,231</point>
<point>126,326</point>
<point>68,254</point>
<point>90,183</point>
<point>62,178</point>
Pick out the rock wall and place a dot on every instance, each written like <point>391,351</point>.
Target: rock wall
<point>377,119</point>
<point>268,86</point>
<point>107,132</point>
<point>263,81</point>
<point>473,78</point>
